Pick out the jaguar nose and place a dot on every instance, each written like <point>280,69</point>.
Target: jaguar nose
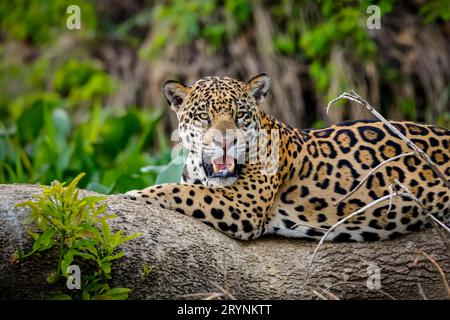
<point>226,143</point>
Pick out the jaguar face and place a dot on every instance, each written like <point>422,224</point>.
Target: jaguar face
<point>217,119</point>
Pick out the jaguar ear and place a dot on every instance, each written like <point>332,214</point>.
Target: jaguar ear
<point>175,92</point>
<point>258,86</point>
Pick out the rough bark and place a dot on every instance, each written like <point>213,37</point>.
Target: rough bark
<point>189,256</point>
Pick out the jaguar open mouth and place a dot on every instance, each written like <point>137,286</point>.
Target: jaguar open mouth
<point>222,167</point>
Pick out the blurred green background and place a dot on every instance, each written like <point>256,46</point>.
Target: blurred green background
<point>90,100</point>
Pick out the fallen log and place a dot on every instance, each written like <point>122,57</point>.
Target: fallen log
<point>192,260</point>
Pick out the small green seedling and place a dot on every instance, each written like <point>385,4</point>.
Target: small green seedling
<point>79,227</point>
<point>146,270</point>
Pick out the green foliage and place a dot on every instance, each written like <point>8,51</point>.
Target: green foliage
<point>54,121</point>
<point>344,25</point>
<point>41,21</point>
<point>56,134</point>
<point>82,81</point>
<point>46,143</point>
<point>180,22</point>
<point>435,9</point>
<point>79,227</point>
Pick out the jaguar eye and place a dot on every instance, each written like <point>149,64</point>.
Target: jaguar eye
<point>203,116</point>
<point>240,114</point>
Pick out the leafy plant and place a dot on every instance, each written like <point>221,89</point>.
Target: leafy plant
<point>78,227</point>
<point>47,142</point>
<point>435,9</point>
<point>43,18</point>
<point>182,22</point>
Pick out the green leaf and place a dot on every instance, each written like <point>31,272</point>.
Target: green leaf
<point>116,133</point>
<point>61,297</point>
<point>131,237</point>
<point>116,256</point>
<point>106,231</point>
<point>84,255</point>
<point>172,172</point>
<point>52,278</point>
<point>66,262</point>
<point>114,294</point>
<point>61,122</point>
<point>128,182</point>
<point>98,187</point>
<point>44,241</point>
<point>85,295</point>
<point>75,181</point>
<point>105,266</point>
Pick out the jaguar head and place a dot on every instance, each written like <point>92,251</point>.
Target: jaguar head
<point>218,119</point>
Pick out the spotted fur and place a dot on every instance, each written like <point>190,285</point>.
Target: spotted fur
<point>316,168</point>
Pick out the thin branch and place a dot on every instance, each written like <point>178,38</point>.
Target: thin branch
<point>319,295</point>
<point>214,296</point>
<point>372,172</point>
<point>434,220</point>
<point>419,286</point>
<point>421,292</point>
<point>428,215</point>
<point>333,227</point>
<point>389,197</point>
<point>439,222</point>
<point>226,293</point>
<point>330,294</point>
<point>353,96</point>
<point>439,269</point>
<point>392,192</point>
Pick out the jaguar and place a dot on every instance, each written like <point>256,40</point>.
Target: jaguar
<point>248,174</point>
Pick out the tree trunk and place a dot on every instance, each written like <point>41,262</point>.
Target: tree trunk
<point>191,258</point>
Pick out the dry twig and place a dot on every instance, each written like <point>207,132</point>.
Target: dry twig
<point>353,96</point>
<point>421,292</point>
<point>370,173</point>
<point>333,227</point>
<point>433,220</point>
<point>438,268</point>
<point>331,296</point>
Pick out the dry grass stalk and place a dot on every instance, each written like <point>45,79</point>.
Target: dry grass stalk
<point>433,220</point>
<point>337,224</point>
<point>353,96</point>
<point>370,173</point>
<point>421,292</point>
<point>438,268</point>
